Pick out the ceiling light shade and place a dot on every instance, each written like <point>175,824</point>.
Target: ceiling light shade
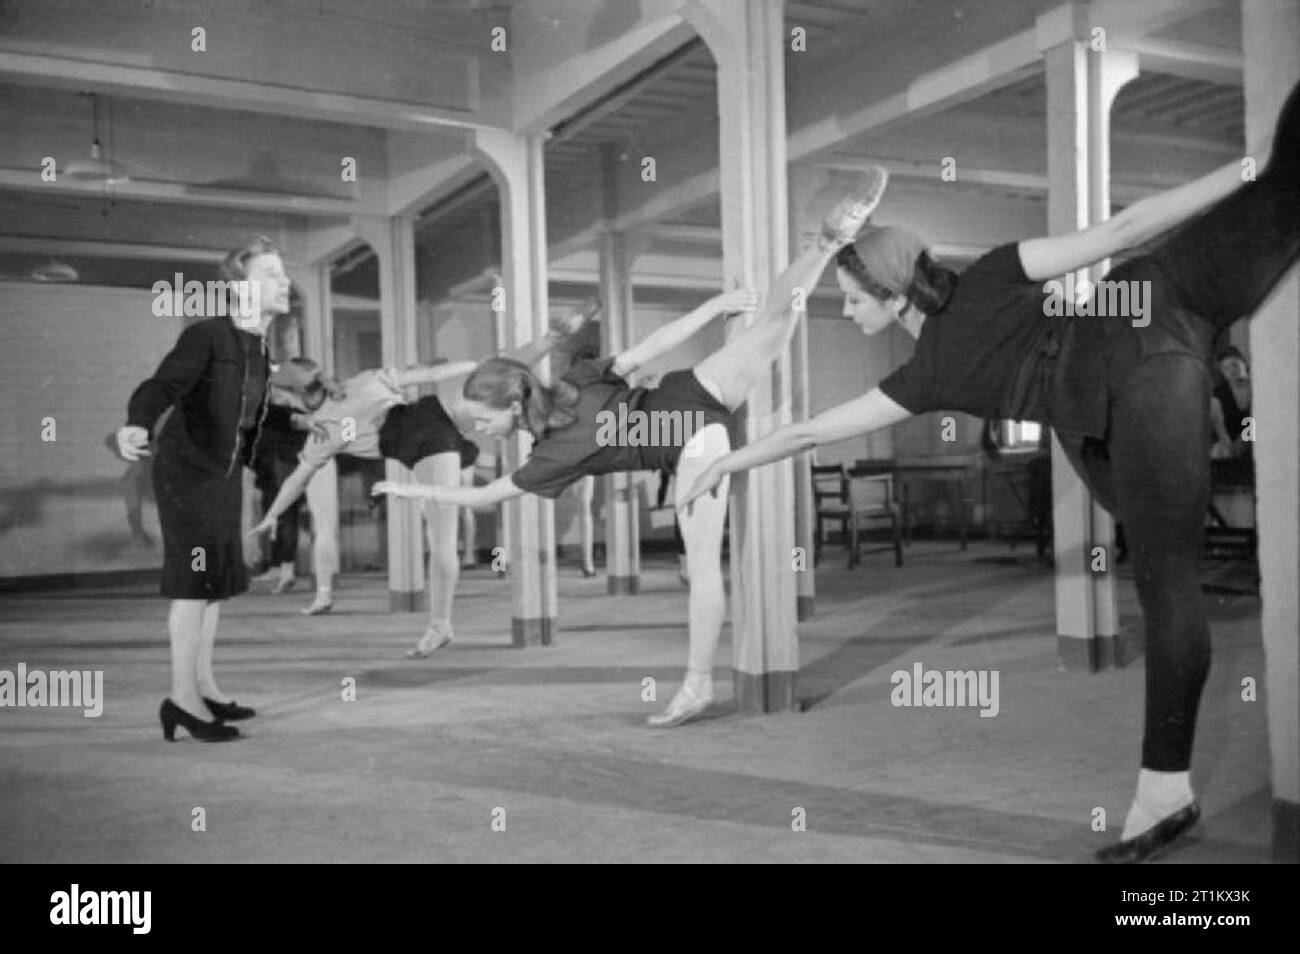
<point>97,169</point>
<point>54,271</point>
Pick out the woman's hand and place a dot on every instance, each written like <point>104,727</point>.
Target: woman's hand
<point>737,300</point>
<point>304,422</point>
<point>133,443</point>
<point>266,524</point>
<point>408,491</point>
<point>707,482</point>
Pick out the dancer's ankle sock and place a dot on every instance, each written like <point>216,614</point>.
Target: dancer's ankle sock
<point>1159,794</point>
<point>286,572</point>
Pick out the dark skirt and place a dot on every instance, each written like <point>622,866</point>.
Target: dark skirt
<point>199,512</point>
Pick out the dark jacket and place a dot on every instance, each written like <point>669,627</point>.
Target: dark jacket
<point>203,375</point>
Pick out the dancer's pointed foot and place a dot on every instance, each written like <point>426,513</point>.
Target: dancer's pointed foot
<point>437,636</point>
<point>686,705</point>
<point>1153,840</point>
<point>283,585</point>
<point>843,223</point>
<point>321,604</point>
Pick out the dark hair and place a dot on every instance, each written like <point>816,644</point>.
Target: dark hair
<point>1231,351</point>
<point>929,290</point>
<point>499,382</point>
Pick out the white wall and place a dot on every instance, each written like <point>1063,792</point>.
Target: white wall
<point>73,353</point>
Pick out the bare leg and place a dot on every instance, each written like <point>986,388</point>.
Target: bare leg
<point>440,470</point>
<point>736,367</point>
<point>185,629</point>
<point>323,501</point>
<point>469,525</point>
<point>586,492</point>
<point>207,682</point>
<point>702,530</point>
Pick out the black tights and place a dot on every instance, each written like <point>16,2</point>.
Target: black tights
<point>1153,471</point>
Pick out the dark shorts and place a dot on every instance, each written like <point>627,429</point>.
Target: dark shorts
<point>682,391</point>
<point>412,432</point>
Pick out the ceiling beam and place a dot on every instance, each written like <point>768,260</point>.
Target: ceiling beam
<point>1211,64</point>
<point>183,193</point>
<point>174,86</point>
<point>97,249</point>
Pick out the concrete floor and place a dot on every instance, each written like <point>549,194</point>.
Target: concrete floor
<point>414,768</point>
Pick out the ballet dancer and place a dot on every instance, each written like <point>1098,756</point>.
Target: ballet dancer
<point>373,421</point>
<point>215,378</point>
<point>569,421</point>
<point>1129,399</point>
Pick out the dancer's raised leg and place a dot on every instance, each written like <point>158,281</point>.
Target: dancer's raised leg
<point>735,368</point>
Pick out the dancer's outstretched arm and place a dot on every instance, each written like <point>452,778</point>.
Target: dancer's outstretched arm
<point>433,373</point>
<point>862,415</point>
<point>290,490</point>
<point>477,498</point>
<point>679,329</point>
<point>561,328</point>
<point>1053,256</point>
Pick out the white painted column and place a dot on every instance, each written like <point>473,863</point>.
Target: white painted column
<point>747,42</point>
<point>622,550</point>
<point>517,166</point>
<point>622,520</point>
<point>1080,89</point>
<point>393,240</point>
<point>805,184</point>
<point>1271,48</point>
<point>1108,73</point>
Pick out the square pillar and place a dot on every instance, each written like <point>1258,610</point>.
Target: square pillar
<point>1080,90</point>
<point>747,38</point>
<point>393,240</point>
<point>517,165</point>
<point>1270,41</point>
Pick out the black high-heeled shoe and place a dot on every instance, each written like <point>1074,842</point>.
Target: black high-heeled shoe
<point>228,711</point>
<point>171,715</point>
<point>1141,847</point>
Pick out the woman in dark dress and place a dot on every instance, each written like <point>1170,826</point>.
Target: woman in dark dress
<point>1129,399</point>
<point>215,377</point>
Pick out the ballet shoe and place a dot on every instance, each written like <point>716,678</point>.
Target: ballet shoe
<point>843,223</point>
<point>228,711</point>
<point>685,705</point>
<point>172,715</point>
<point>434,639</point>
<point>1148,844</point>
<point>317,608</point>
<point>588,574</point>
<point>284,586</point>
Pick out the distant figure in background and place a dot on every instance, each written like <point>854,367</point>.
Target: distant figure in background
<point>1230,406</point>
<point>284,432</point>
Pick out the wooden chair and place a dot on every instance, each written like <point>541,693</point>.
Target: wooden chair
<point>873,497</point>
<point>830,486</point>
